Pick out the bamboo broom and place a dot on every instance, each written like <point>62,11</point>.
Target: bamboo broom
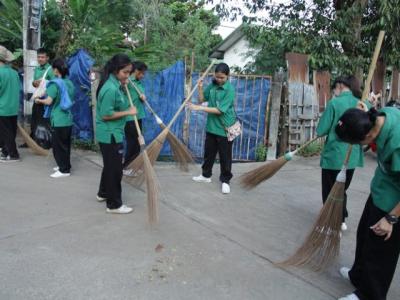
<point>254,177</point>
<point>155,146</point>
<point>35,148</point>
<point>180,152</point>
<point>322,244</point>
<point>149,174</point>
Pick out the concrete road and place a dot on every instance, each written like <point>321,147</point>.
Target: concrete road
<point>57,242</point>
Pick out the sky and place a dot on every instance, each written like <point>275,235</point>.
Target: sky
<point>227,26</point>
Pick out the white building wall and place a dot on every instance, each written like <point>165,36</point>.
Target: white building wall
<point>236,55</point>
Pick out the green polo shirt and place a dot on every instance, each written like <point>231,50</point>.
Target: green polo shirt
<point>221,97</point>
<point>334,151</point>
<point>111,99</point>
<point>40,70</point>
<point>136,99</point>
<point>10,87</point>
<point>59,117</point>
<point>385,186</point>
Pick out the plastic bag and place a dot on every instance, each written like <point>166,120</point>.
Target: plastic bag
<point>43,136</point>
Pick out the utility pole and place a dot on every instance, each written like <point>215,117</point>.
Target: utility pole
<point>31,14</point>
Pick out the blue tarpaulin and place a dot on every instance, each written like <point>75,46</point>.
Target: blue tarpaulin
<point>250,105</point>
<point>79,65</point>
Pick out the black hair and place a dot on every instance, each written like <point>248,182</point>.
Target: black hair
<point>222,68</point>
<point>61,66</point>
<point>342,80</point>
<point>113,66</point>
<point>355,86</point>
<point>42,51</point>
<point>354,125</point>
<point>140,66</point>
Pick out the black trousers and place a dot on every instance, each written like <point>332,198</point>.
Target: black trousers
<point>132,143</point>
<point>61,143</point>
<point>110,182</point>
<point>8,133</point>
<point>329,179</point>
<point>37,118</point>
<point>218,144</point>
<point>375,261</point>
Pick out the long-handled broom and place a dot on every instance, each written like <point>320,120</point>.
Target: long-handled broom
<point>180,152</point>
<point>155,146</point>
<point>254,177</point>
<point>322,244</point>
<point>149,174</point>
<point>35,148</point>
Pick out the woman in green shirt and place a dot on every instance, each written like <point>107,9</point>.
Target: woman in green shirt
<point>220,95</point>
<point>60,117</point>
<point>378,233</point>
<point>111,113</point>
<point>334,151</point>
<point>131,136</point>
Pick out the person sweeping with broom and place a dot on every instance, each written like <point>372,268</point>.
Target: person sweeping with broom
<point>334,150</point>
<point>111,113</point>
<point>220,95</point>
<point>131,135</point>
<point>60,95</point>
<point>378,233</point>
<point>10,87</point>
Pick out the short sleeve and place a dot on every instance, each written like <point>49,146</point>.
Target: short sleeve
<point>227,101</point>
<point>107,103</point>
<point>52,90</point>
<point>207,92</point>
<point>325,122</point>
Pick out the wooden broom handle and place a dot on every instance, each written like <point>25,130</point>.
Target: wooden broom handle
<point>140,136</point>
<point>348,155</point>
<point>144,101</point>
<point>373,65</point>
<point>307,143</point>
<point>190,95</point>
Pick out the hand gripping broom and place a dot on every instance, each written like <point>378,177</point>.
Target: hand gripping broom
<point>149,174</point>
<point>180,152</point>
<point>155,146</point>
<point>322,244</point>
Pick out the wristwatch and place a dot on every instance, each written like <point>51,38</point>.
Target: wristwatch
<point>392,219</point>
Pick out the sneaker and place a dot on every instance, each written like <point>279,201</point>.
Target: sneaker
<point>58,174</point>
<point>344,271</point>
<point>56,169</point>
<point>100,199</point>
<point>350,297</point>
<point>8,159</point>
<point>343,227</point>
<point>130,173</point>
<point>226,189</point>
<point>201,178</point>
<point>122,210</point>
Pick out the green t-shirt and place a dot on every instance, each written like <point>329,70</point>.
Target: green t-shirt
<point>10,87</point>
<point>223,98</point>
<point>111,99</point>
<point>334,151</point>
<point>40,70</point>
<point>385,186</point>
<point>59,117</point>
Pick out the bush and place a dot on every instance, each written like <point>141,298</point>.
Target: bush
<point>261,152</point>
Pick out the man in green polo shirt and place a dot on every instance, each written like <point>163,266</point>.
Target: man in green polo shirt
<point>10,87</point>
<point>39,72</point>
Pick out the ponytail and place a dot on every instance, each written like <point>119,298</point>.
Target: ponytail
<point>113,66</point>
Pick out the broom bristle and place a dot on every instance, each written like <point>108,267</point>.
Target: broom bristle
<point>181,153</point>
<point>322,244</point>
<point>152,189</point>
<point>253,178</point>
<point>31,143</point>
